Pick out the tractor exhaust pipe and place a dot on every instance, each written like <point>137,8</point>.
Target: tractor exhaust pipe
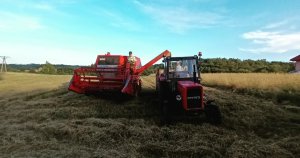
<point>194,74</point>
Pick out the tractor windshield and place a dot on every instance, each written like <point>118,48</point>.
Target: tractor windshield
<point>182,68</point>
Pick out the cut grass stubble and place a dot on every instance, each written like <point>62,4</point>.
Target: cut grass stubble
<point>57,123</point>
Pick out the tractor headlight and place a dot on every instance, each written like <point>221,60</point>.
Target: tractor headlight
<point>178,97</point>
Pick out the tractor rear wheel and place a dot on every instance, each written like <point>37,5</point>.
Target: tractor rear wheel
<point>213,113</point>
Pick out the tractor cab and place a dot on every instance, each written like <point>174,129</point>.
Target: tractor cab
<point>179,82</point>
<point>180,91</point>
<point>181,68</point>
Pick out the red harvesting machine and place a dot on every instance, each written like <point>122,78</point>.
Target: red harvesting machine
<point>111,73</point>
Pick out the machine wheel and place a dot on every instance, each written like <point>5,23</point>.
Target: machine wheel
<point>213,113</point>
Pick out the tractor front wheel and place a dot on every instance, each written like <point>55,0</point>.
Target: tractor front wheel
<point>213,113</point>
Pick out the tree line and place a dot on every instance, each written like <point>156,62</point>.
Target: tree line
<point>212,65</point>
<point>46,68</point>
<point>223,65</point>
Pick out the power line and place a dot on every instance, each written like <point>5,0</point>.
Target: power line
<point>3,65</point>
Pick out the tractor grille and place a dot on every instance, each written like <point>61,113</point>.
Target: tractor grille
<point>194,98</point>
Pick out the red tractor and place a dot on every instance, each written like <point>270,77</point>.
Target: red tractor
<point>180,91</point>
<point>111,73</point>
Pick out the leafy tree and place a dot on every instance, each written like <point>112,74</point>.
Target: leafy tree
<point>152,69</point>
<point>48,68</point>
<point>217,65</point>
<point>213,65</point>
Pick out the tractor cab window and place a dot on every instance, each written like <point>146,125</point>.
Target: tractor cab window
<point>182,68</point>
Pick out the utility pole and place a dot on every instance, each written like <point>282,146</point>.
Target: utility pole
<point>3,66</point>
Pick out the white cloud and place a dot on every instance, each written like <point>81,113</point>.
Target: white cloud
<point>117,20</point>
<point>277,24</point>
<point>179,19</point>
<point>290,23</point>
<point>44,6</point>
<point>272,42</point>
<point>15,22</point>
<point>52,7</point>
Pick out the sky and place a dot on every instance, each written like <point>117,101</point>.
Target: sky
<point>74,32</point>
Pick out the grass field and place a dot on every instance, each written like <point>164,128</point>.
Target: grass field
<point>15,83</point>
<point>46,120</point>
<point>281,87</point>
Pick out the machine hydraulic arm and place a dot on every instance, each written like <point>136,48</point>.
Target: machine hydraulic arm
<point>166,53</point>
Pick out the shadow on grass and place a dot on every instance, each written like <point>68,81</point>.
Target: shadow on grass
<point>291,97</point>
<point>112,105</point>
<point>146,107</point>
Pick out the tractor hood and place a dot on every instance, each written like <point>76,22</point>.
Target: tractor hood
<point>191,94</point>
<point>187,84</point>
